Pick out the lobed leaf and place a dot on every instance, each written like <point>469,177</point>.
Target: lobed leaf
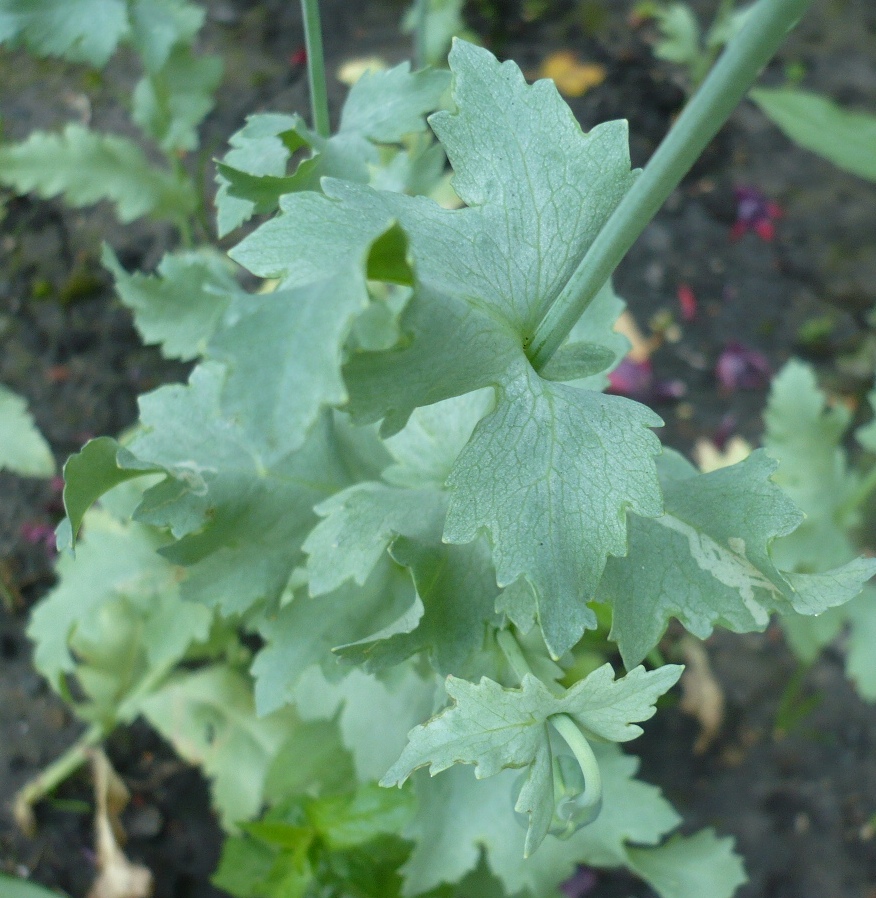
<point>707,560</point>
<point>458,817</point>
<point>816,123</point>
<point>181,306</point>
<point>87,167</point>
<point>65,28</point>
<point>23,450</point>
<point>381,108</point>
<point>157,26</point>
<point>496,728</point>
<point>550,475</point>
<point>170,102</point>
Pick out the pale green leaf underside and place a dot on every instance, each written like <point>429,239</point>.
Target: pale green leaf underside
<point>550,475</point>
<point>818,124</point>
<point>209,718</point>
<point>87,167</point>
<point>23,450</point>
<point>707,561</point>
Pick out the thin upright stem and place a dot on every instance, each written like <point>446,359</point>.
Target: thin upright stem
<point>701,119</point>
<point>513,653</point>
<point>316,67</point>
<point>421,19</point>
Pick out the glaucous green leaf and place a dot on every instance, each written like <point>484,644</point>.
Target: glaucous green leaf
<point>707,561</point>
<point>209,717</point>
<point>113,560</point>
<point>458,816</point>
<point>425,450</point>
<point>690,866</point>
<point>805,436</point>
<point>171,102</point>
<point>359,524</point>
<point>595,329</point>
<point>257,149</point>
<point>538,191</point>
<point>115,619</point>
<point>181,305</point>
<point>860,661</point>
<point>90,473</point>
<point>398,699</point>
<point>283,352</point>
<point>240,516</point>
<point>679,33</point>
<point>457,588</point>
<point>496,728</point>
<point>79,30</point>
<point>86,167</point>
<point>157,26</point>
<point>550,474</point>
<point>303,631</point>
<point>816,123</point>
<point>23,450</point>
<point>381,108</point>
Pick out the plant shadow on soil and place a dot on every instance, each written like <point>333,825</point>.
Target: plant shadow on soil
<point>800,806</point>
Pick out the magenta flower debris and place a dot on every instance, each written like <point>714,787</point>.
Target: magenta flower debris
<point>581,883</point>
<point>39,534</point>
<point>740,367</point>
<point>636,380</point>
<point>687,300</point>
<point>755,212</point>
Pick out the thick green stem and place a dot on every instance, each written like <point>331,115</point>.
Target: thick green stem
<point>55,774</point>
<point>514,654</point>
<point>316,67</point>
<point>577,741</point>
<point>701,119</point>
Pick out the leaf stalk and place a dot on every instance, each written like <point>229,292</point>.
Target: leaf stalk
<point>53,775</point>
<point>591,798</point>
<point>720,93</point>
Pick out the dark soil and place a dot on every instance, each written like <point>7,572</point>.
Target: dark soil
<point>801,802</point>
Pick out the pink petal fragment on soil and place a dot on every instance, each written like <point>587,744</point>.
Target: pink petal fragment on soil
<point>581,883</point>
<point>740,367</point>
<point>688,301</point>
<point>755,213</point>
